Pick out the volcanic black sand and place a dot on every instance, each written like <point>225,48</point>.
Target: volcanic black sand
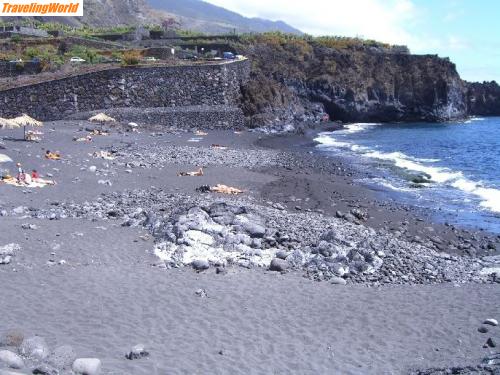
<point>82,275</point>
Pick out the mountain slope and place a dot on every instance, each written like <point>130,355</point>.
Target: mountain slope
<point>201,16</point>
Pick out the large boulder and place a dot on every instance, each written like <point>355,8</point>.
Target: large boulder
<point>87,366</point>
<point>11,359</point>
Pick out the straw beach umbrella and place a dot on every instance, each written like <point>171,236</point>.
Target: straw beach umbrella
<point>25,121</point>
<point>102,118</point>
<point>8,124</point>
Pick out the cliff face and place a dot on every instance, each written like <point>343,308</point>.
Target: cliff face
<point>300,80</point>
<point>483,98</point>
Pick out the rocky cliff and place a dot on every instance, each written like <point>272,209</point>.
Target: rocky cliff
<point>295,79</point>
<point>483,98</point>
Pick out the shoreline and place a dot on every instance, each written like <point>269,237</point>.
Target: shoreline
<point>385,210</point>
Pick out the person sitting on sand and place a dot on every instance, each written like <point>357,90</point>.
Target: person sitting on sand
<point>34,174</point>
<point>20,173</point>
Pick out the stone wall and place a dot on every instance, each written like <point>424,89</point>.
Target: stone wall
<point>12,69</point>
<point>139,87</point>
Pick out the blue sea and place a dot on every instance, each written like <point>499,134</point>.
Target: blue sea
<point>452,169</point>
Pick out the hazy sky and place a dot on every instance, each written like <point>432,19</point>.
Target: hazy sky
<point>467,31</point>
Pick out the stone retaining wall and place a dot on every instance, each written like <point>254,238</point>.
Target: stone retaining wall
<point>138,87</point>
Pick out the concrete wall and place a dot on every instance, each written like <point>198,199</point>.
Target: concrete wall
<point>139,87</point>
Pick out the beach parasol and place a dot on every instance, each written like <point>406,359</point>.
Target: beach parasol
<point>102,118</point>
<point>8,124</point>
<point>25,121</point>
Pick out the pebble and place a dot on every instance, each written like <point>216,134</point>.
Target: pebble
<point>201,293</point>
<point>491,322</point>
<point>137,352</point>
<point>491,343</point>
<point>34,347</point>
<point>11,359</point>
<point>338,281</point>
<point>482,329</point>
<point>87,366</point>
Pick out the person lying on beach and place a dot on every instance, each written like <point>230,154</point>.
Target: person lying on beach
<point>224,189</point>
<point>52,155</point>
<point>197,173</point>
<point>219,188</point>
<point>200,133</point>
<point>219,147</point>
<point>88,138</point>
<point>99,132</point>
<point>33,137</point>
<point>106,155</point>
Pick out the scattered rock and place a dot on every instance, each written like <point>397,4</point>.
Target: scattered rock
<point>221,271</point>
<point>137,352</point>
<point>201,293</point>
<point>62,357</point>
<point>491,343</point>
<point>87,366</point>
<point>279,265</point>
<point>491,322</point>
<point>27,226</point>
<point>338,281</point>
<point>200,265</point>
<point>34,347</point>
<point>482,329</point>
<point>11,359</point>
<point>45,369</point>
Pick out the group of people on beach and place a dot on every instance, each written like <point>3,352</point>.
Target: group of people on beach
<point>24,178</point>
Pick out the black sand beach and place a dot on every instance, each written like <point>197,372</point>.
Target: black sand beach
<point>86,274</point>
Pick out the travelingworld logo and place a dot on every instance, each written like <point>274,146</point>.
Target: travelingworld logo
<point>41,8</point>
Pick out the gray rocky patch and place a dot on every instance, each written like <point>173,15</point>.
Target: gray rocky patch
<point>34,347</point>
<point>62,357</point>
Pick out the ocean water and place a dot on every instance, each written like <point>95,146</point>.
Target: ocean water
<point>451,169</point>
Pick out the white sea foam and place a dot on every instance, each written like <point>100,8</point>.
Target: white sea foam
<point>490,197</point>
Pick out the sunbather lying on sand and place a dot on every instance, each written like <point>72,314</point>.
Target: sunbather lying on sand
<point>219,147</point>
<point>219,188</point>
<point>98,132</point>
<point>197,173</point>
<point>104,155</point>
<point>52,155</point>
<point>200,133</point>
<point>88,138</point>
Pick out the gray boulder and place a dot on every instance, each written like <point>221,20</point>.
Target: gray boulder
<point>200,265</point>
<point>279,265</point>
<point>87,366</point>
<point>11,359</point>
<point>34,347</point>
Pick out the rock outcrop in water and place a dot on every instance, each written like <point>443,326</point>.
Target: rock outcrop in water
<point>295,79</point>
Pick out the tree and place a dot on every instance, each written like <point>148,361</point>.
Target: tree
<point>168,23</point>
